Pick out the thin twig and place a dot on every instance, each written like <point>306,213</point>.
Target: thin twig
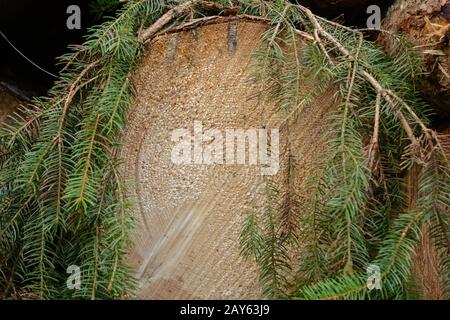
<point>386,96</point>
<point>373,147</point>
<point>204,21</point>
<point>170,15</point>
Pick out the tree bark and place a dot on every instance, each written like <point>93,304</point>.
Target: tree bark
<point>427,24</point>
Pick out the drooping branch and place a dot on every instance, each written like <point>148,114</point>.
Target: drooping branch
<point>390,97</point>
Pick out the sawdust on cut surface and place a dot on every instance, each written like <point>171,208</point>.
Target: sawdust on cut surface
<point>190,216</point>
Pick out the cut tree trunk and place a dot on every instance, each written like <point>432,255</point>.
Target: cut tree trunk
<point>187,245</point>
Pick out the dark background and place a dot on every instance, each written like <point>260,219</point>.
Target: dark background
<point>38,29</point>
<point>353,11</point>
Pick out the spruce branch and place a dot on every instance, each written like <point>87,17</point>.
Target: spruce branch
<point>361,80</point>
<point>388,95</point>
